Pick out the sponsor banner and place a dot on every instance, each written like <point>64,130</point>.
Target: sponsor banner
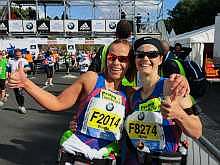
<point>56,26</point>
<point>71,25</point>
<point>111,25</point>
<point>15,26</point>
<point>98,25</point>
<point>43,26</point>
<point>84,25</point>
<point>3,26</point>
<point>89,42</point>
<point>29,26</point>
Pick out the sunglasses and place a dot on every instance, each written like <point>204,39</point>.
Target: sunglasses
<point>150,54</point>
<point>113,57</point>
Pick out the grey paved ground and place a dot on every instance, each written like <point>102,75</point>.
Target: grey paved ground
<point>32,139</point>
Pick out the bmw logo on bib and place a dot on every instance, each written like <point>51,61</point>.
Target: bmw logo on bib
<point>109,106</point>
<point>141,116</point>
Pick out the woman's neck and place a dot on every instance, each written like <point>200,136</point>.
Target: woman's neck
<point>149,83</point>
<point>112,84</point>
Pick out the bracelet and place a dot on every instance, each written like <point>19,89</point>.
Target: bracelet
<point>194,110</point>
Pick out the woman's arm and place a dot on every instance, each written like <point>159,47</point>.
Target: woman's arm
<point>174,109</point>
<point>66,99</point>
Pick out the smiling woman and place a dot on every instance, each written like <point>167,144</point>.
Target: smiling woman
<point>157,121</point>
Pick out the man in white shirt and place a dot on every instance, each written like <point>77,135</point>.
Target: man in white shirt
<point>13,65</point>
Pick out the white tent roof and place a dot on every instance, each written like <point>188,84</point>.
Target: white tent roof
<point>202,35</point>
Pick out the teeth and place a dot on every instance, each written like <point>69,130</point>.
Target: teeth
<point>116,69</point>
<point>145,65</point>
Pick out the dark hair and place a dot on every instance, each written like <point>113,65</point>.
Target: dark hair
<point>17,50</point>
<point>131,72</point>
<point>123,29</point>
<point>178,44</point>
<point>149,40</point>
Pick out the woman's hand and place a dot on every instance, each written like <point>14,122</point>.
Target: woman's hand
<point>171,109</point>
<point>179,85</point>
<point>17,78</point>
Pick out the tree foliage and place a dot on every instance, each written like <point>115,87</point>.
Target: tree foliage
<point>189,15</point>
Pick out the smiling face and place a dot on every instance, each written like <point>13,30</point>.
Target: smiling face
<point>147,65</point>
<point>117,64</point>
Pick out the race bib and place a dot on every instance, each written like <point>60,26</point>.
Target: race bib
<point>152,105</point>
<point>108,95</point>
<point>146,131</point>
<point>147,127</point>
<point>103,119</point>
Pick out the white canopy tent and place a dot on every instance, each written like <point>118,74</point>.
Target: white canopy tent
<point>196,40</point>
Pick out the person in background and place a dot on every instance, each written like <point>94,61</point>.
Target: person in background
<point>13,65</point>
<point>56,58</point>
<point>49,67</point>
<point>3,77</point>
<point>30,61</point>
<point>168,54</point>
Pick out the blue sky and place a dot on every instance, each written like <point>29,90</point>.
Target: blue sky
<point>83,12</point>
<point>169,4</point>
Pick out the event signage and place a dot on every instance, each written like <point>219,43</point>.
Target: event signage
<point>29,26</point>
<point>15,26</point>
<point>84,25</point>
<point>43,26</point>
<point>56,26</point>
<point>71,25</point>
<point>3,26</point>
<point>98,25</point>
<point>111,25</point>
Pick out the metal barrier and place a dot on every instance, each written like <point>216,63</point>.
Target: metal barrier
<point>202,152</point>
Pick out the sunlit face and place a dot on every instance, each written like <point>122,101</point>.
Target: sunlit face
<point>147,65</point>
<point>117,64</point>
<point>18,54</point>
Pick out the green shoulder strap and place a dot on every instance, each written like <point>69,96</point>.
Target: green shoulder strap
<point>180,66</point>
<point>103,57</point>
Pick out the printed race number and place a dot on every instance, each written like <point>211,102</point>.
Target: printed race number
<point>104,120</point>
<point>142,130</point>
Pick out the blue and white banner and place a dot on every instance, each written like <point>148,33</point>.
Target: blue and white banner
<point>111,25</point>
<point>29,26</point>
<point>71,25</point>
<point>98,25</point>
<point>56,26</point>
<point>15,26</point>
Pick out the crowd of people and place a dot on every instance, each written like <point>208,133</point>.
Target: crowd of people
<point>119,117</point>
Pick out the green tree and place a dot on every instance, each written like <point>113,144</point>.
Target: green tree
<point>189,15</point>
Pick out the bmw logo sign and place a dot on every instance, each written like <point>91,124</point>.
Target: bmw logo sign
<point>71,26</point>
<point>29,25</point>
<point>109,106</point>
<point>112,25</point>
<point>141,116</point>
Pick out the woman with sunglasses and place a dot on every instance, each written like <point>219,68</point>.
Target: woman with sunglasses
<point>101,105</point>
<point>158,119</point>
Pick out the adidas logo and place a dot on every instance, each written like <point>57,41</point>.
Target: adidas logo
<point>84,27</point>
<point>43,26</point>
<point>3,27</point>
